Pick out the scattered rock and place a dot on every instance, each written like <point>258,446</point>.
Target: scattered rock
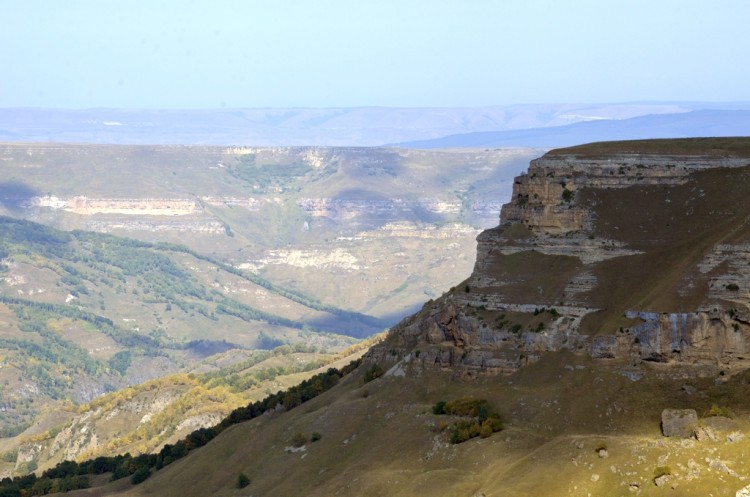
<point>721,423</point>
<point>603,453</point>
<point>735,436</point>
<point>689,389</point>
<point>743,492</point>
<point>705,434</point>
<point>687,443</point>
<point>662,480</point>
<point>678,422</point>
<point>594,477</point>
<point>719,465</point>
<point>694,470</point>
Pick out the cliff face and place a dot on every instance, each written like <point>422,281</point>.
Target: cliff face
<point>621,255</point>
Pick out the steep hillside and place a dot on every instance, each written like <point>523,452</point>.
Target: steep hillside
<point>611,291</point>
<point>573,426</point>
<point>610,250</point>
<point>86,313</point>
<point>143,418</point>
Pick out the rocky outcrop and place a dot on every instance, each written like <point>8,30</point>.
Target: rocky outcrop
<point>543,198</point>
<point>538,276</point>
<point>128,206</point>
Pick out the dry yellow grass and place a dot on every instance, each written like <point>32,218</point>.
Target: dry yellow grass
<point>378,439</point>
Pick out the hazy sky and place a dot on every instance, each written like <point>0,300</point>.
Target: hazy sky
<point>346,53</point>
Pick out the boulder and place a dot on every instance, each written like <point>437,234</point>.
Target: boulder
<point>678,422</point>
<point>721,424</point>
<point>704,433</point>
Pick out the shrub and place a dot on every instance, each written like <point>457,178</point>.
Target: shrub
<point>140,475</point>
<point>567,195</point>
<point>486,429</point>
<point>374,372</point>
<point>315,436</point>
<point>733,287</point>
<point>716,410</point>
<point>465,407</point>
<point>10,456</point>
<point>242,480</point>
<point>298,440</point>
<point>484,423</point>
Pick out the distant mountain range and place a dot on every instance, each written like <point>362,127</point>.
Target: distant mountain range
<point>699,123</point>
<point>513,125</point>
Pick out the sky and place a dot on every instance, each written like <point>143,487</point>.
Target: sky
<point>152,54</point>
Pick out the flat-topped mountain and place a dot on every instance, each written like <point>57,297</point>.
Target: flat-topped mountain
<point>629,250</point>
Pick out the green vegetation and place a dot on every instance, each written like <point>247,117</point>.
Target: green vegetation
<point>140,475</point>
<point>97,258</point>
<point>298,440</point>
<point>484,422</point>
<point>70,475</point>
<point>107,278</point>
<point>267,178</point>
<point>716,410</point>
<point>242,480</point>
<point>373,373</point>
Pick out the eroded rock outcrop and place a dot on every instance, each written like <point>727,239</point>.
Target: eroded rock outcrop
<point>623,256</point>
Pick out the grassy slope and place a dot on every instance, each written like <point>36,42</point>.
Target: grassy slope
<point>143,418</point>
<point>82,313</point>
<point>675,227</point>
<point>379,439</point>
<point>705,147</point>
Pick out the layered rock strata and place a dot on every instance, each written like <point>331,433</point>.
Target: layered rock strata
<point>568,268</point>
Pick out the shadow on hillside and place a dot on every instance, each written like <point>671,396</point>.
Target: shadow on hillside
<point>361,325</point>
<point>395,317</point>
<point>14,195</point>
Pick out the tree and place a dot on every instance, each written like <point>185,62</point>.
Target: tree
<point>140,475</point>
<point>242,480</point>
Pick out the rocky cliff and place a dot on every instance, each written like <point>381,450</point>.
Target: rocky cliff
<point>628,251</point>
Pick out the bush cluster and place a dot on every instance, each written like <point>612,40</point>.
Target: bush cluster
<point>373,373</point>
<point>483,422</point>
